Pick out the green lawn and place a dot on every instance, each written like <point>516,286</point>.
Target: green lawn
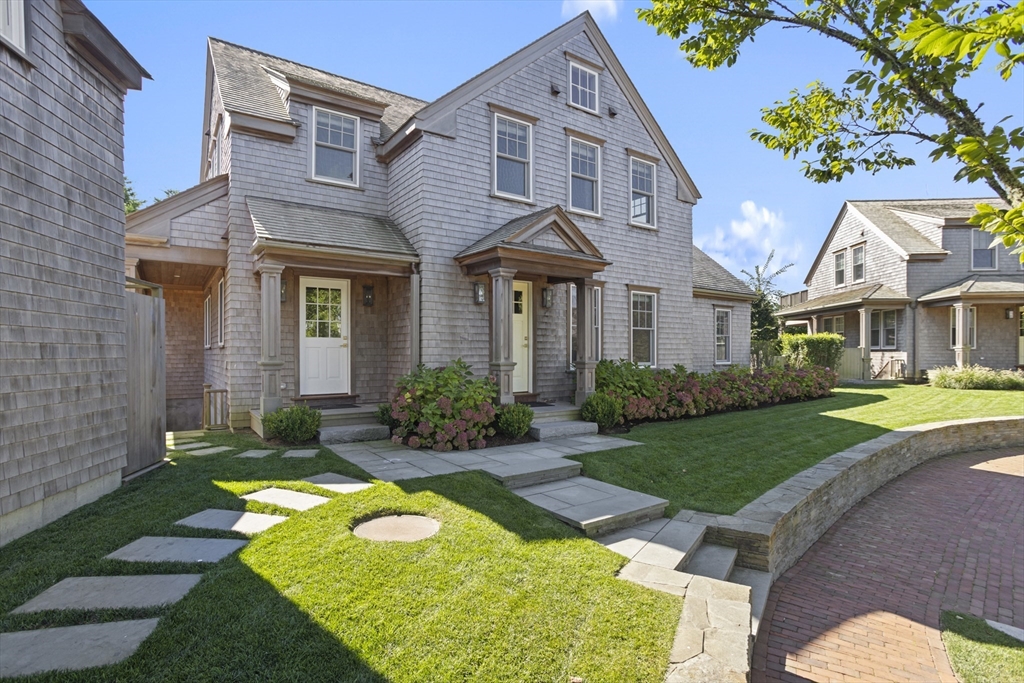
<point>502,593</point>
<point>720,463</point>
<point>980,653</point>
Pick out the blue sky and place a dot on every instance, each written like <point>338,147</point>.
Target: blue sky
<point>753,199</point>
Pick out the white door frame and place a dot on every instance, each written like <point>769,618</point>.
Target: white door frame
<point>518,339</point>
<point>344,382</point>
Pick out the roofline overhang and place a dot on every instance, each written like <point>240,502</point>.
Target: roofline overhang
<point>261,127</point>
<point>969,298</point>
<point>301,90</point>
<point>98,46</point>
<point>531,261</point>
<point>720,294</point>
<point>181,203</point>
<point>281,247</point>
<point>861,303</point>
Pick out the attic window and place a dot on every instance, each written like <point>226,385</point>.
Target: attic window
<point>335,151</point>
<point>12,23</point>
<point>582,87</point>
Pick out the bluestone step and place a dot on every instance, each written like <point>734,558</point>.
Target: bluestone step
<point>712,561</point>
<point>671,546</point>
<point>533,472</point>
<point>545,431</point>
<point>592,506</point>
<point>353,433</point>
<point>760,583</point>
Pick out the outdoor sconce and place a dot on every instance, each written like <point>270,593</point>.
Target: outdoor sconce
<point>545,297</point>
<point>1009,314</point>
<point>555,90</point>
<point>479,293</point>
<point>367,295</point>
<point>284,291</point>
<point>612,113</point>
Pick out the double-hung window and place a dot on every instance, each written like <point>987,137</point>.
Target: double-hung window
<point>723,335</point>
<point>971,328</point>
<point>207,323</point>
<point>858,263</point>
<point>883,329</point>
<point>644,331</point>
<point>584,177</point>
<point>836,325</point>
<point>595,325</point>
<point>335,147</point>
<point>12,23</point>
<point>512,157</point>
<point>983,255</point>
<point>220,312</point>
<point>840,269</point>
<point>583,87</point>
<point>642,182</point>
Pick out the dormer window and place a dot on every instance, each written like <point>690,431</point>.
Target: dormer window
<point>582,87</point>
<point>12,23</point>
<point>335,150</point>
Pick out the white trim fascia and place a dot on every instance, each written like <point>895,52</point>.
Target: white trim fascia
<point>885,238</point>
<point>277,247</point>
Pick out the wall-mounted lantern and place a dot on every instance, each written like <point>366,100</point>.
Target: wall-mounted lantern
<point>367,295</point>
<point>284,290</point>
<point>1009,314</point>
<point>479,293</point>
<point>546,297</point>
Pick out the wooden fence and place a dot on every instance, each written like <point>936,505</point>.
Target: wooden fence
<point>147,407</point>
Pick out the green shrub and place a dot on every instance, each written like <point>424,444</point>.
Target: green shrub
<point>297,424</point>
<point>383,415</point>
<point>978,377</point>
<point>803,350</point>
<point>515,419</point>
<point>601,408</point>
<point>763,353</point>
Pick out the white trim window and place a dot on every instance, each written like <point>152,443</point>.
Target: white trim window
<point>642,200</point>
<point>335,149</point>
<point>883,329</point>
<point>643,332</point>
<point>972,324</point>
<point>858,263</point>
<point>836,325</point>
<point>220,312</point>
<point>595,325</point>
<point>584,177</point>
<point>12,23</point>
<point>723,336</point>
<point>207,321</point>
<point>840,268</point>
<point>983,252</point>
<point>513,156</point>
<point>583,85</point>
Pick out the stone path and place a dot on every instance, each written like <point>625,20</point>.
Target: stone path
<point>112,592</point>
<point>71,647</point>
<point>301,453</point>
<point>338,483</point>
<point>254,454</point>
<point>593,506</point>
<point>293,500</point>
<point>211,451</point>
<point>864,602</point>
<point>190,446</point>
<point>176,549</point>
<point>232,520</point>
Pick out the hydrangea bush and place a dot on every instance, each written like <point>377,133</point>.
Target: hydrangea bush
<point>670,394</point>
<point>443,408</point>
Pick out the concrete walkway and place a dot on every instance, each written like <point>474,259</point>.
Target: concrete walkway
<point>864,603</point>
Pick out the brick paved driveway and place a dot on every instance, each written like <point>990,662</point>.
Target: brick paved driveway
<point>864,602</point>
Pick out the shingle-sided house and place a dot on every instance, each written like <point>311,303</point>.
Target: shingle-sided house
<point>531,221</point>
<point>63,80</point>
<point>919,284</point>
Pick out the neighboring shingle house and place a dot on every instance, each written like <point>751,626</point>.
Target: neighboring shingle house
<point>63,79</point>
<point>918,282</point>
<point>344,233</point>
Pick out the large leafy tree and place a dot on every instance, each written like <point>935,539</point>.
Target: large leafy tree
<point>764,326</point>
<point>914,54</point>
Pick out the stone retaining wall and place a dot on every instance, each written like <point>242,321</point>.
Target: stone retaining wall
<point>775,530</point>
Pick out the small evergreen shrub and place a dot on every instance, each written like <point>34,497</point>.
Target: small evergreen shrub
<point>803,350</point>
<point>297,424</point>
<point>383,416</point>
<point>978,377</point>
<point>443,408</point>
<point>515,419</point>
<point>601,408</point>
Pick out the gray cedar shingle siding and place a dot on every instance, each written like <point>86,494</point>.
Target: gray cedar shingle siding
<point>62,297</point>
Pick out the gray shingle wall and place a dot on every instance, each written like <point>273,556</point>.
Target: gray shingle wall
<point>201,227</point>
<point>997,338</point>
<point>704,333</point>
<point>184,343</point>
<point>215,358</point>
<point>398,333</point>
<point>882,263</point>
<point>929,276</point>
<point>62,319</point>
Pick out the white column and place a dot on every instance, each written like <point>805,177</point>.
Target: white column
<point>131,267</point>
<point>270,362</point>
<point>502,364</point>
<point>586,351</point>
<point>865,342</point>
<point>962,349</point>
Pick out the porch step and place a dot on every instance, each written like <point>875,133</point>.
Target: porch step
<point>352,433</point>
<point>760,583</point>
<point>532,473</point>
<point>712,561</point>
<point>545,431</point>
<point>660,543</point>
<point>592,506</point>
<point>560,412</point>
<point>343,417</point>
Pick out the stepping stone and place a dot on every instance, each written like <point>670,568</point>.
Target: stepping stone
<point>292,500</point>
<point>254,454</point>
<point>337,483</point>
<point>520,472</point>
<point>189,446</point>
<point>232,520</point>
<point>1011,631</point>
<point>112,592</point>
<point>211,451</point>
<point>71,647</point>
<point>594,507</point>
<point>304,453</point>
<point>172,549</point>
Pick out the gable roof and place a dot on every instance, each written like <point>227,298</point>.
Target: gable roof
<point>877,294</point>
<point>520,232</point>
<point>439,116</point>
<point>709,276</point>
<point>152,224</point>
<point>980,287</point>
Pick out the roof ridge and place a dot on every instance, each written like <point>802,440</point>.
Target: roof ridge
<point>936,199</point>
<point>307,66</point>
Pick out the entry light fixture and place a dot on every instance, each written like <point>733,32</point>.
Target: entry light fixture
<point>284,291</point>
<point>479,293</point>
<point>367,295</point>
<point>1009,314</point>
<point>545,297</point>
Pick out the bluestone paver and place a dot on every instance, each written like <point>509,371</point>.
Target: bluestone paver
<point>338,483</point>
<point>112,592</point>
<point>254,454</point>
<point>232,520</point>
<point>71,648</point>
<point>293,500</point>
<point>190,446</point>
<point>211,451</point>
<point>301,453</point>
<point>176,549</point>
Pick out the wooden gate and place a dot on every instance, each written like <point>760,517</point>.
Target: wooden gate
<point>147,405</point>
<point>851,366</point>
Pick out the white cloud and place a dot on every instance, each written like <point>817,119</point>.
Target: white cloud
<point>750,239</point>
<point>601,9</point>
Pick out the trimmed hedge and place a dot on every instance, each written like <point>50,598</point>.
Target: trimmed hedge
<point>803,350</point>
<point>661,394</point>
<point>978,377</point>
<point>514,420</point>
<point>297,424</point>
<point>601,408</point>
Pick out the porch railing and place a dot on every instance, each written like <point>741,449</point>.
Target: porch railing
<point>215,407</point>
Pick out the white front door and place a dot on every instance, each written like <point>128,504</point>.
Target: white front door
<point>522,336</point>
<point>324,333</point>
